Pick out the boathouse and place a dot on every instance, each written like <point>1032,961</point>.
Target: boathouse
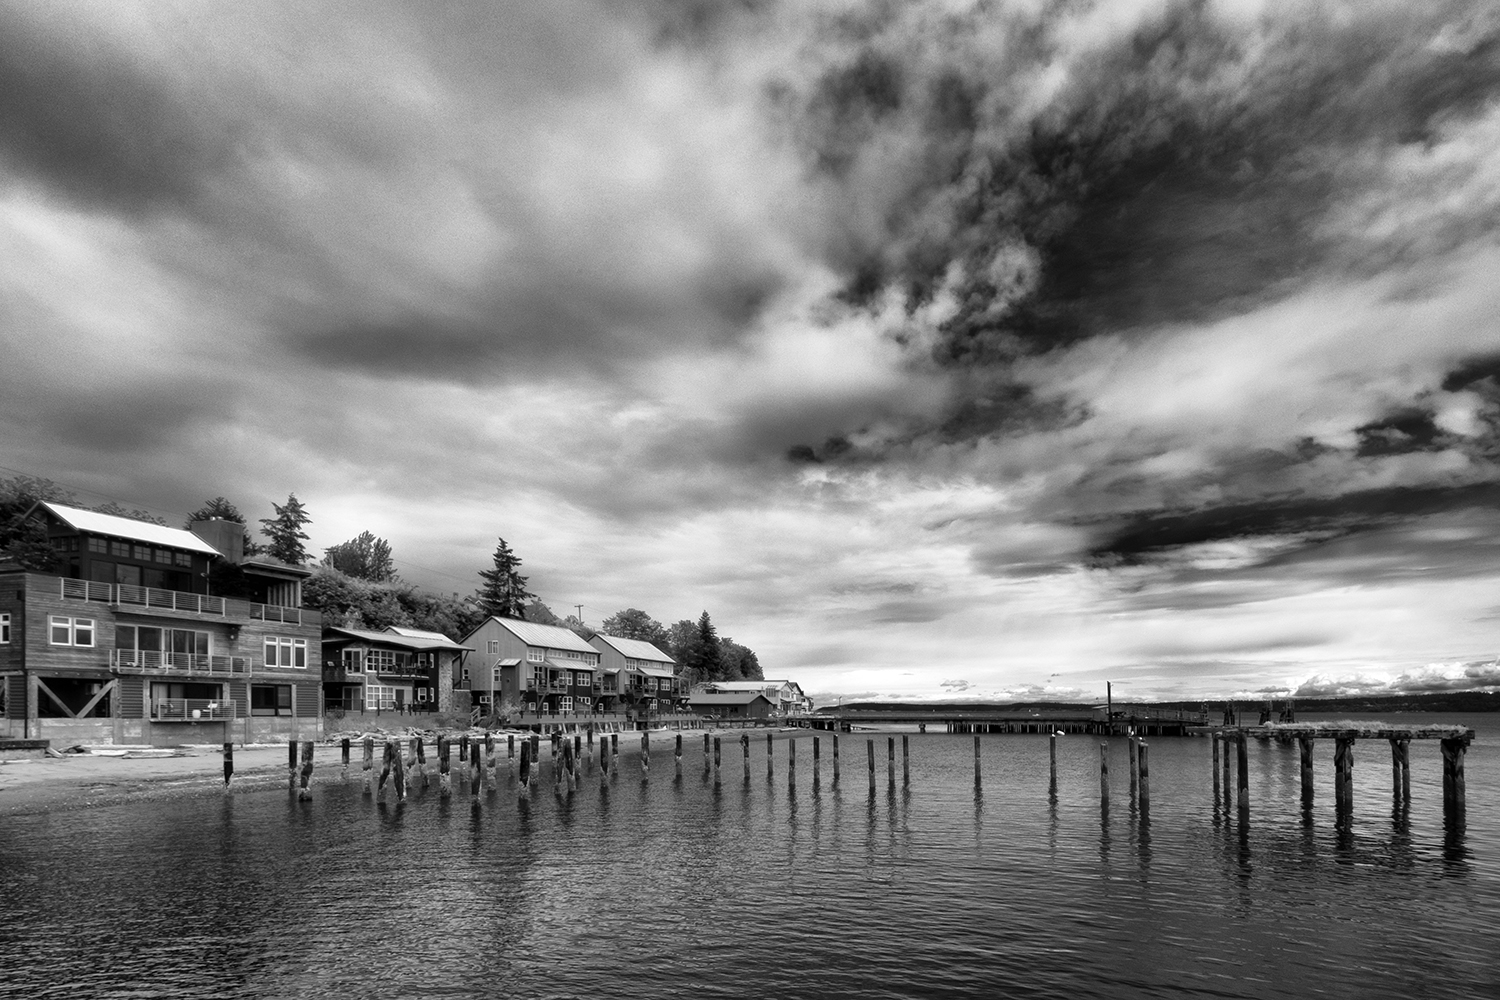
<point>145,634</point>
<point>732,705</point>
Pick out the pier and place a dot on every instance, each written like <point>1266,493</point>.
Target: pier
<point>1119,720</point>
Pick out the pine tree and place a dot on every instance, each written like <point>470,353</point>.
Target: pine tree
<point>364,558</point>
<point>285,531</point>
<point>504,592</point>
<point>703,655</point>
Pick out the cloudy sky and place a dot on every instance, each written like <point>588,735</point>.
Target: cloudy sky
<point>978,349</point>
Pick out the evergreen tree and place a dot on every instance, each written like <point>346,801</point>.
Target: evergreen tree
<point>364,558</point>
<point>285,531</point>
<point>632,623</point>
<point>701,657</point>
<point>133,513</point>
<point>225,510</point>
<point>538,612</point>
<point>25,540</point>
<point>503,592</point>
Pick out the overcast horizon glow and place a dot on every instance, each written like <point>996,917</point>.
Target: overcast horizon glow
<point>936,349</point>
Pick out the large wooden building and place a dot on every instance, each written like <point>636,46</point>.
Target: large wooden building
<point>399,669</point>
<point>126,642</point>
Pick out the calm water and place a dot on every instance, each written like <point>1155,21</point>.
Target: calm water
<point>667,889</point>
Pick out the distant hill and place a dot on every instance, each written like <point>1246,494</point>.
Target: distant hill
<point>1444,701</point>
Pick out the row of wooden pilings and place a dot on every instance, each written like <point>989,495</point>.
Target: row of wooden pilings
<point>1453,749</point>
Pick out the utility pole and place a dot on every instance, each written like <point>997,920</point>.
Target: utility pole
<point>580,611</point>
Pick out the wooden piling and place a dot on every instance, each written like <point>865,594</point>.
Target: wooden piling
<point>476,770</point>
<point>344,757</point>
<point>229,762</point>
<point>369,768</point>
<point>905,761</point>
<point>577,753</point>
<point>445,779</point>
<point>536,751</point>
<point>304,790</point>
<point>817,758</point>
<point>870,747</point>
<point>706,747</point>
<point>1453,776</point>
<point>835,758</point>
<point>463,749</point>
<point>716,758</point>
<point>1214,738</point>
<point>524,782</point>
<point>791,762</point>
<point>978,780</point>
<point>890,760</point>
<point>645,753</point>
<point>1401,770</point>
<point>1242,766</point>
<point>291,765</point>
<point>1343,781</point>
<point>1052,779</point>
<point>1104,774</point>
<point>1143,793</point>
<point>770,760</point>
<point>568,760</point>
<point>1305,755</point>
<point>603,757</point>
<point>1134,766</point>
<point>386,754</point>
<point>422,761</point>
<point>745,746</point>
<point>677,755</point>
<point>400,778</point>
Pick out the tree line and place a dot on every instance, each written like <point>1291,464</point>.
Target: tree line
<point>357,586</point>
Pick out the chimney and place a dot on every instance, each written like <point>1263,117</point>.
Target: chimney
<point>226,536</point>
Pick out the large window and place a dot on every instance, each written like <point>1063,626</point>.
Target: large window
<point>379,696</point>
<point>565,703</point>
<point>583,680</point>
<point>270,699</point>
<point>494,645</point>
<point>535,655</point>
<point>286,653</point>
<point>5,628</point>
<point>353,661</point>
<point>71,631</point>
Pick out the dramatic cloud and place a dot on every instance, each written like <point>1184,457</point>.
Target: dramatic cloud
<point>1031,344</point>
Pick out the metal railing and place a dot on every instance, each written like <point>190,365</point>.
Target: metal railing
<point>142,660</point>
<point>191,709</point>
<point>276,613</point>
<point>176,600</point>
<point>179,600</point>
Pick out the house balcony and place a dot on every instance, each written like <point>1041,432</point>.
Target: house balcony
<point>399,671</point>
<point>124,595</point>
<point>145,661</point>
<point>192,710</point>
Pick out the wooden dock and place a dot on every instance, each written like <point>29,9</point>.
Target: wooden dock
<point>1123,720</point>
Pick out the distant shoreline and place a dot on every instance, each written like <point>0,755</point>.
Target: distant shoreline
<point>1446,701</point>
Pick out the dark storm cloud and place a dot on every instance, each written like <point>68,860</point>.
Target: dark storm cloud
<point>1181,172</point>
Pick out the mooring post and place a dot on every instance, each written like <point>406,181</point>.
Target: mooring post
<point>890,760</point>
<point>645,753</point>
<point>400,777</point>
<point>716,758</point>
<point>524,784</point>
<point>1453,776</point>
<point>706,739</point>
<point>305,791</point>
<point>291,765</point>
<point>1242,765</point>
<point>1134,765</point>
<point>1052,764</point>
<point>905,763</point>
<point>1144,792</point>
<point>677,756</point>
<point>1104,775</point>
<point>978,781</point>
<point>385,768</point>
<point>835,758</point>
<point>745,746</point>
<point>591,737</point>
<point>344,757</point>
<point>463,749</point>
<point>229,762</point>
<point>791,762</point>
<point>870,748</point>
<point>422,761</point>
<point>568,765</point>
<point>603,757</point>
<point>1305,751</point>
<point>536,751</point>
<point>770,762</point>
<point>445,779</point>
<point>476,770</point>
<point>577,753</point>
<point>369,765</point>
<point>817,758</point>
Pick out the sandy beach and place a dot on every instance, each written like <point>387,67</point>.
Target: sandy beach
<point>104,776</point>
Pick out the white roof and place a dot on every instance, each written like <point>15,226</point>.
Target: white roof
<point>416,633</point>
<point>123,527</point>
<point>742,685</point>
<point>570,665</point>
<point>548,636</point>
<point>636,649</point>
<point>657,672</point>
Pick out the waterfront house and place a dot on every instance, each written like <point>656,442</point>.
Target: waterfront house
<point>731,705</point>
<point>146,634</point>
<point>398,669</point>
<point>786,697</point>
<point>542,668</point>
<point>636,675</point>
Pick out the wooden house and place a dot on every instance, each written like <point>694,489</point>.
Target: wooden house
<point>637,675</point>
<point>398,669</point>
<point>537,667</point>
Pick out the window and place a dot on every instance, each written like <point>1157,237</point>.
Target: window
<point>466,673</point>
<point>164,556</point>
<point>565,703</point>
<point>119,549</point>
<point>494,645</point>
<point>141,552</point>
<point>287,653</point>
<point>497,675</point>
<point>535,655</point>
<point>379,696</point>
<point>5,628</point>
<point>99,545</point>
<point>270,699</point>
<point>353,662</point>
<point>582,680</point>
<point>583,704</point>
<point>421,694</point>
<point>380,659</point>
<point>183,559</point>
<point>72,631</point>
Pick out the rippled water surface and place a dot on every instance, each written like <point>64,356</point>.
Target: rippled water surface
<point>663,887</point>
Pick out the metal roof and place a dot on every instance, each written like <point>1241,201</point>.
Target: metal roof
<point>548,636</point>
<point>743,685</point>
<point>635,649</point>
<point>417,633</point>
<point>395,639</point>
<point>123,527</point>
<point>656,671</point>
<point>570,665</point>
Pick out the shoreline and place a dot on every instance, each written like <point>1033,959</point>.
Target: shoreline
<point>46,785</point>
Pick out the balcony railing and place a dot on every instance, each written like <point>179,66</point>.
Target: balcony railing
<point>191,710</point>
<point>178,600</point>
<point>152,661</point>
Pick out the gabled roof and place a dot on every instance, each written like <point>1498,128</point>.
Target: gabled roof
<point>333,633</point>
<point>635,649</point>
<point>124,527</point>
<point>742,685</point>
<point>728,698</point>
<point>417,633</point>
<point>570,665</point>
<point>657,671</point>
<point>534,634</point>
